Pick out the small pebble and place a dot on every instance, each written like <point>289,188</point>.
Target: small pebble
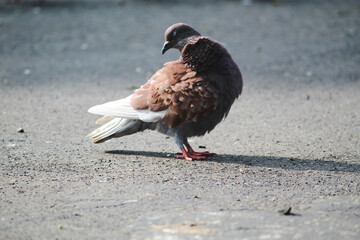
<point>20,130</point>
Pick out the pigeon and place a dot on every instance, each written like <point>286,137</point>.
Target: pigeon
<point>187,97</point>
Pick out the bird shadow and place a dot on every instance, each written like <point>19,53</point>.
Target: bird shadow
<point>289,163</point>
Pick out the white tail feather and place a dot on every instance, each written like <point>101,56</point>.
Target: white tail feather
<point>110,128</point>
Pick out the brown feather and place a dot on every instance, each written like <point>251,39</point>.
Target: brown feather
<point>180,90</point>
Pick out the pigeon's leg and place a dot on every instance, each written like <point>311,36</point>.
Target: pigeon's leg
<point>192,152</point>
<point>189,156</point>
<point>186,154</point>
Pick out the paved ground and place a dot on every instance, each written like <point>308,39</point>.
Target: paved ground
<point>292,139</point>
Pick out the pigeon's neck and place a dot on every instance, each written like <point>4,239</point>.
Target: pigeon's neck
<point>201,53</point>
<point>181,44</point>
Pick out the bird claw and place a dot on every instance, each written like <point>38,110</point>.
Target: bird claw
<point>202,153</point>
<point>192,155</point>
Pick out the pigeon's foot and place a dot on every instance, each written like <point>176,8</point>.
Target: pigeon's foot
<point>202,153</point>
<point>191,151</point>
<point>192,155</point>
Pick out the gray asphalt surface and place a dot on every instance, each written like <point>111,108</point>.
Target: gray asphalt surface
<point>292,138</point>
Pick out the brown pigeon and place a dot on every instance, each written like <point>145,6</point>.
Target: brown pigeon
<point>187,97</point>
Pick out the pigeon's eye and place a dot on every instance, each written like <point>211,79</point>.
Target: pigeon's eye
<point>174,33</point>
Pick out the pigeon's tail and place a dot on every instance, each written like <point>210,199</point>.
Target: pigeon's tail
<point>117,127</point>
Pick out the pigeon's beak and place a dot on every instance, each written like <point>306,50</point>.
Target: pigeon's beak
<point>166,47</point>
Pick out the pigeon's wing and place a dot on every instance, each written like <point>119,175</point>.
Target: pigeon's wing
<point>118,108</point>
<point>122,109</point>
<point>104,119</point>
<point>178,91</point>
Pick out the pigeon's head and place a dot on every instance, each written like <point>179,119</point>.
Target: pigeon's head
<point>176,36</point>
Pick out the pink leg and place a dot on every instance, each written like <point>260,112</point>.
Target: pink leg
<point>191,150</point>
<point>190,156</point>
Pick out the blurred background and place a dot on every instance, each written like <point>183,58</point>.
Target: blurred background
<point>77,41</point>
